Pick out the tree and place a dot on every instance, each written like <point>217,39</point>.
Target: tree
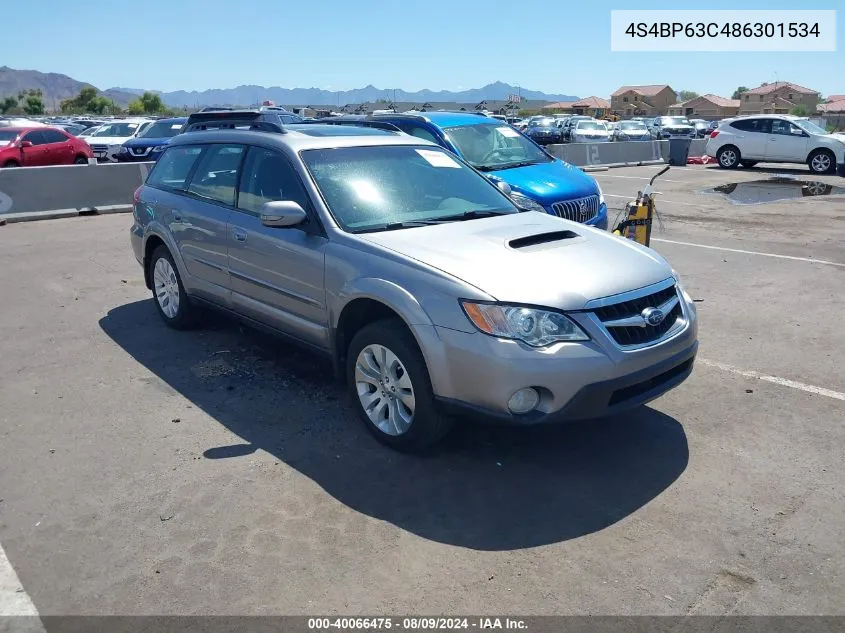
<point>136,107</point>
<point>686,95</point>
<point>738,92</point>
<point>33,105</point>
<point>799,110</point>
<point>87,101</point>
<point>151,102</point>
<point>7,104</point>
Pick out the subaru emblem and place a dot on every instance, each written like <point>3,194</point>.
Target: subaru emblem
<point>653,316</point>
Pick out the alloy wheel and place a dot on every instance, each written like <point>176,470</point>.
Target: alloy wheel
<point>384,389</point>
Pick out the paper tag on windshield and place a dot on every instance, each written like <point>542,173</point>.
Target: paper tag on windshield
<point>438,159</point>
<point>178,126</point>
<point>508,131</point>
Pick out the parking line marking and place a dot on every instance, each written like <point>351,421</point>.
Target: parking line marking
<point>14,601</point>
<point>783,382</point>
<point>604,175</point>
<point>739,250</point>
<point>685,204</point>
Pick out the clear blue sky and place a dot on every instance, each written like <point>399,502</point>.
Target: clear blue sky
<point>557,47</point>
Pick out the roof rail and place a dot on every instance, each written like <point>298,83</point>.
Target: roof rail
<point>363,122</point>
<point>231,119</point>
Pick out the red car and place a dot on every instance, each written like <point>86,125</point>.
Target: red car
<point>40,146</point>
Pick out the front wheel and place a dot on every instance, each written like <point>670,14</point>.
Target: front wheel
<point>80,160</point>
<point>728,157</point>
<point>169,295</point>
<point>391,389</point>
<point>822,161</point>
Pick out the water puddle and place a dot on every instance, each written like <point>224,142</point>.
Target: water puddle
<point>775,189</point>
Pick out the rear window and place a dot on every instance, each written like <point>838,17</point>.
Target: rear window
<point>752,125</point>
<point>173,168</point>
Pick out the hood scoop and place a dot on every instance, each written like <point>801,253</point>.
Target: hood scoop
<point>541,238</point>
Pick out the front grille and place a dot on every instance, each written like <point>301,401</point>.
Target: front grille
<point>100,148</point>
<point>635,335</point>
<point>139,151</point>
<point>578,210</point>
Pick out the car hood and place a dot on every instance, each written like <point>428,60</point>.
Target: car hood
<point>146,142</point>
<point>838,136</point>
<point>562,273</point>
<point>549,182</point>
<point>106,140</point>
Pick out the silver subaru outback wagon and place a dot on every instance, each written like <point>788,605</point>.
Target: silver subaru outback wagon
<point>428,288</point>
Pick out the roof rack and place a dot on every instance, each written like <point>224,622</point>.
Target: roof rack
<point>360,122</point>
<point>231,119</point>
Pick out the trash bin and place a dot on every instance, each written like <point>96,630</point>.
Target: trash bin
<point>679,150</point>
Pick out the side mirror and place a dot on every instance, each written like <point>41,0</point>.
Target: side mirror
<point>282,214</point>
<point>504,187</point>
<point>25,144</point>
<point>797,132</point>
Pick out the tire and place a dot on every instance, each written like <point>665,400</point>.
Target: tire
<point>169,291</point>
<point>748,164</point>
<point>80,160</point>
<point>11,163</point>
<point>822,161</point>
<point>728,157</point>
<point>402,368</point>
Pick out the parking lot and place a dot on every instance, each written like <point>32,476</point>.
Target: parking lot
<point>219,471</point>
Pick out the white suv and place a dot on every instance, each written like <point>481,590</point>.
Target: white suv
<point>776,138</point>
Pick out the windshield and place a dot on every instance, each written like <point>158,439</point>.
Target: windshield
<point>117,129</point>
<point>810,127</point>
<point>590,125</point>
<point>7,136</point>
<point>676,120</point>
<point>490,147</point>
<point>368,188</point>
<point>632,125</point>
<point>162,129</point>
<point>541,122</point>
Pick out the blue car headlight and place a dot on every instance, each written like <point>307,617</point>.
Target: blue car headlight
<point>159,148</point>
<point>525,203</point>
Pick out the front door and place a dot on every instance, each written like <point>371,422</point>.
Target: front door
<point>787,142</point>
<point>278,274</point>
<point>36,155</point>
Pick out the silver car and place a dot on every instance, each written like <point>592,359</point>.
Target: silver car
<point>431,292</point>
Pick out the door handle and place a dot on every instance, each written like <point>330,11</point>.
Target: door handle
<point>239,234</point>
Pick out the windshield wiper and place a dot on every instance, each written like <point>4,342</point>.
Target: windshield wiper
<point>394,226</point>
<point>471,215</point>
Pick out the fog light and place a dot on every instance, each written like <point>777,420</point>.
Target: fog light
<point>524,400</point>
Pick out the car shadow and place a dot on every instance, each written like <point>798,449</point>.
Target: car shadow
<point>485,488</point>
<point>774,170</point>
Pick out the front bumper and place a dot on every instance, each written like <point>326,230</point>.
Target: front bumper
<point>479,373</point>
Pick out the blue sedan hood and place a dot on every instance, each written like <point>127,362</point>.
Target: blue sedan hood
<point>549,182</point>
<point>146,142</point>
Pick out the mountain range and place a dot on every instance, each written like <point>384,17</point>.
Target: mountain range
<point>56,87</point>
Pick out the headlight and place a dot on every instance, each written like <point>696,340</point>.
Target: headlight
<point>158,148</point>
<point>601,195</point>
<point>122,150</point>
<point>526,203</point>
<point>532,326</point>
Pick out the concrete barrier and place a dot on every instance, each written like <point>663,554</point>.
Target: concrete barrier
<point>68,190</point>
<point>615,153</point>
<point>697,147</point>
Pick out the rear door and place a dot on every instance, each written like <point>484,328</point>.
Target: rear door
<point>35,156</point>
<point>787,142</point>
<point>752,136</point>
<point>278,274</point>
<point>196,195</point>
<point>58,149</point>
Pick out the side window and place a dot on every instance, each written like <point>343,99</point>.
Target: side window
<point>216,175</point>
<point>419,132</point>
<point>173,168</point>
<point>36,137</point>
<point>780,127</point>
<point>268,176</point>
<point>752,125</point>
<point>53,136</point>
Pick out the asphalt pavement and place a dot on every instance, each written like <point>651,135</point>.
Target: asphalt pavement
<point>219,471</point>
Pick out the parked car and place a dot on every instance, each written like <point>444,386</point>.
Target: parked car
<point>538,180</point>
<point>543,131</point>
<point>702,127</point>
<point>589,132</point>
<point>630,131</point>
<point>664,127</point>
<point>86,133</point>
<point>776,138</point>
<point>568,124</point>
<point>414,274</point>
<point>106,141</point>
<point>148,145</point>
<point>712,126</point>
<point>41,146</point>
<point>70,128</point>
